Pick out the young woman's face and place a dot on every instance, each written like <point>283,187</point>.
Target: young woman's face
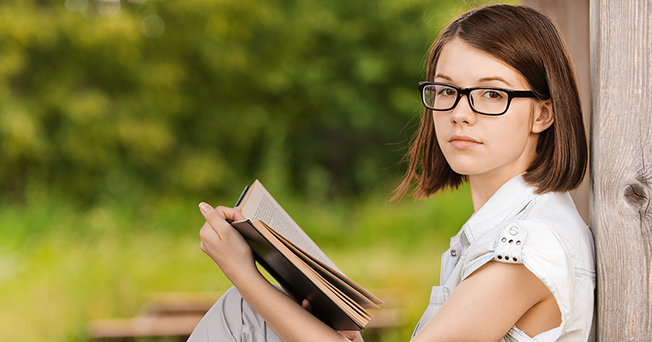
<point>481,146</point>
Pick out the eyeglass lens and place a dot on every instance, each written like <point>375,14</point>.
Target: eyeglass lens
<point>489,101</point>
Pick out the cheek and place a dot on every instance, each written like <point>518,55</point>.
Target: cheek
<point>510,136</point>
<point>440,122</point>
<point>522,116</point>
<point>515,124</point>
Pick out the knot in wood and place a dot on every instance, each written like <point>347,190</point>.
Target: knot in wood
<point>636,195</point>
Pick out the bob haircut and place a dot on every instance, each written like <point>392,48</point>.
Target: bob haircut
<point>529,42</point>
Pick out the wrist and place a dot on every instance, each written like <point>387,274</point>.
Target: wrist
<point>246,275</point>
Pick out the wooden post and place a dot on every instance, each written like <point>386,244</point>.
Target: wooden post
<point>621,166</point>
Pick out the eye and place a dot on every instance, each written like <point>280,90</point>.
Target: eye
<point>493,95</point>
<point>446,92</point>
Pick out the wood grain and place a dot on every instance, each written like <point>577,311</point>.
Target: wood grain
<point>621,149</point>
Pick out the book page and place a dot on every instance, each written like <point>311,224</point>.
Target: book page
<point>340,281</point>
<point>258,204</point>
<point>365,298</point>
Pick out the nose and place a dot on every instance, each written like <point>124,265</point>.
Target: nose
<point>462,113</point>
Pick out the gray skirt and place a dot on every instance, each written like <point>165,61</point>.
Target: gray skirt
<point>231,319</point>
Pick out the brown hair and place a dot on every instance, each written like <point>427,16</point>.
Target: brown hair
<point>529,42</point>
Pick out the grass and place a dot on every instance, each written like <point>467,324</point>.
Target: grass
<point>62,266</point>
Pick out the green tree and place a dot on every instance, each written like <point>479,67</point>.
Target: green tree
<point>199,97</point>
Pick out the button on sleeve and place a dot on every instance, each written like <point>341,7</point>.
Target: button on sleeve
<point>510,244</point>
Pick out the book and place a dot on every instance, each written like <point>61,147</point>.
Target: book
<point>304,271</point>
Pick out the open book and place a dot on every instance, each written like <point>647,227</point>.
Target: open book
<point>299,266</point>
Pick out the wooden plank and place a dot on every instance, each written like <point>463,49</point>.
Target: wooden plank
<point>621,146</point>
<point>106,329</point>
<point>572,18</point>
<point>172,314</point>
<point>179,303</point>
<point>176,314</point>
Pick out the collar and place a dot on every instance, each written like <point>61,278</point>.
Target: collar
<point>507,202</point>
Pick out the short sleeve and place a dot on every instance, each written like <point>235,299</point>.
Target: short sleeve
<point>534,245</point>
<point>545,255</point>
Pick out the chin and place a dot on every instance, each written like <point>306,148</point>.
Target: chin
<point>463,168</point>
<point>463,171</point>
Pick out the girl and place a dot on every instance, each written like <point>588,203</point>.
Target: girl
<point>503,114</point>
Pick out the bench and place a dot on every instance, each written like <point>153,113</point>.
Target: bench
<point>174,315</point>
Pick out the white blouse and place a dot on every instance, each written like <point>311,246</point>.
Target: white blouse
<point>543,232</point>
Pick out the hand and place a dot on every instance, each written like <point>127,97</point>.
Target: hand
<point>353,336</point>
<point>223,243</point>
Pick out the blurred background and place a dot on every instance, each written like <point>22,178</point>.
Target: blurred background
<point>117,117</point>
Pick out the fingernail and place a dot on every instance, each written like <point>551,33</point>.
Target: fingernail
<point>205,207</point>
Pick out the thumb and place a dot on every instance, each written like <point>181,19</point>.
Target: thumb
<point>306,305</point>
<point>349,334</point>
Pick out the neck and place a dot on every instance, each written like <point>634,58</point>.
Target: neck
<point>480,193</point>
<point>482,188</point>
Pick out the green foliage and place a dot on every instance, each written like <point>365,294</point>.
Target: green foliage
<point>61,267</point>
<point>138,109</point>
<point>197,98</point>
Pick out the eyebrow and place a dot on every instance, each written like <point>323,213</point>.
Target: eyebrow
<point>444,76</point>
<point>494,78</point>
<point>481,80</point>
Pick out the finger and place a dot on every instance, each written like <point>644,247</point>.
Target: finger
<point>206,209</point>
<point>219,219</point>
<point>351,335</point>
<point>306,305</point>
<point>215,215</point>
<point>230,214</point>
<point>225,213</point>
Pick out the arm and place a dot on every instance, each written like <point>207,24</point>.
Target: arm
<point>482,308</point>
<point>234,256</point>
<point>485,305</point>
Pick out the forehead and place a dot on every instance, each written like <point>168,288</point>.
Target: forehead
<point>466,66</point>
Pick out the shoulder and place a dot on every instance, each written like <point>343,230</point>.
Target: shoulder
<point>550,239</point>
<point>548,230</point>
<point>552,219</point>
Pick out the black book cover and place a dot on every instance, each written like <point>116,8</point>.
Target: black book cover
<point>294,281</point>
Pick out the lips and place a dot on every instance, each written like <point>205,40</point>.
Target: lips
<point>463,142</point>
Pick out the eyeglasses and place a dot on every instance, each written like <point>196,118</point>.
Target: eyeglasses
<point>483,100</point>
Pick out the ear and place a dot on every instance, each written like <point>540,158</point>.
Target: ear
<point>543,117</point>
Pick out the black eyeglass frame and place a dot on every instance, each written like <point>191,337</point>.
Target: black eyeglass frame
<point>467,91</point>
